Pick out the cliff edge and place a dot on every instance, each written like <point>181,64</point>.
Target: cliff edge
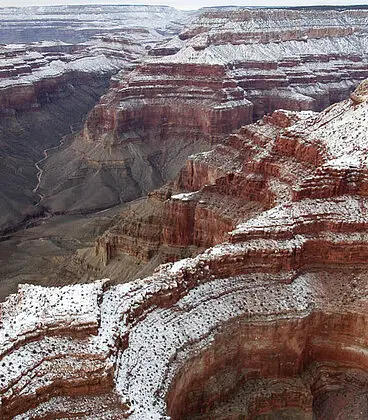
<point>271,321</point>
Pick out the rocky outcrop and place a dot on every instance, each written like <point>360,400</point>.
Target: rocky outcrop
<point>229,67</point>
<point>284,157</point>
<point>43,328</point>
<point>271,322</point>
<point>291,59</point>
<point>174,228</point>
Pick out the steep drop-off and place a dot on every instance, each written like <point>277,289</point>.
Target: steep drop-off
<point>47,87</point>
<point>137,137</point>
<point>228,68</point>
<point>24,136</point>
<point>272,322</point>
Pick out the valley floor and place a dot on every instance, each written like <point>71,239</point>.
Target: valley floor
<point>42,254</point>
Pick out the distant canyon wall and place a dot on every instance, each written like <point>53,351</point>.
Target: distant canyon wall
<point>228,68</point>
<point>51,78</point>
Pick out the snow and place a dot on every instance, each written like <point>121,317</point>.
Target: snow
<point>191,56</point>
<point>35,308</point>
<point>173,43</point>
<point>271,20</point>
<point>342,132</point>
<point>100,16</point>
<point>98,64</point>
<point>286,217</point>
<point>45,337</point>
<point>116,35</point>
<point>144,372</point>
<point>184,196</point>
<point>273,52</point>
<point>178,266</point>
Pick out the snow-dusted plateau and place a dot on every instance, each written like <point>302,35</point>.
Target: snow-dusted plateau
<point>184,213</point>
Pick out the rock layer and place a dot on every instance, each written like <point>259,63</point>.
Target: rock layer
<point>291,59</point>
<point>229,67</point>
<point>272,322</point>
<point>79,23</point>
<point>48,87</point>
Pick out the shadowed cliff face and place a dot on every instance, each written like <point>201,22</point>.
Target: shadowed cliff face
<point>25,135</point>
<point>47,85</point>
<point>271,322</point>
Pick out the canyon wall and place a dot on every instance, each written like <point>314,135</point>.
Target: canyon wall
<point>75,24</point>
<point>47,87</point>
<point>292,59</point>
<point>270,322</point>
<point>229,67</point>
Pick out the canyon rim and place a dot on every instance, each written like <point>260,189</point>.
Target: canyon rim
<point>184,213</point>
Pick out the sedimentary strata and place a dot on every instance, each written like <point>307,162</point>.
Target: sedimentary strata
<point>229,67</point>
<point>77,24</point>
<point>272,321</point>
<point>291,59</point>
<point>47,87</point>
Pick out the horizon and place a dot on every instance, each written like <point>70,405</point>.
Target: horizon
<point>189,5</point>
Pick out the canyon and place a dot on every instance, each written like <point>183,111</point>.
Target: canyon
<point>197,241</point>
<point>227,68</point>
<point>48,84</point>
<point>269,320</point>
<point>176,89</point>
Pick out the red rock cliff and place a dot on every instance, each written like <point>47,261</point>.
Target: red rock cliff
<point>229,68</point>
<point>271,322</point>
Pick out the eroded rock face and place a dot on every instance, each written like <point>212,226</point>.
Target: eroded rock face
<point>226,69</point>
<point>46,333</point>
<point>290,59</point>
<point>271,322</point>
<point>285,157</point>
<point>140,133</point>
<point>47,87</point>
